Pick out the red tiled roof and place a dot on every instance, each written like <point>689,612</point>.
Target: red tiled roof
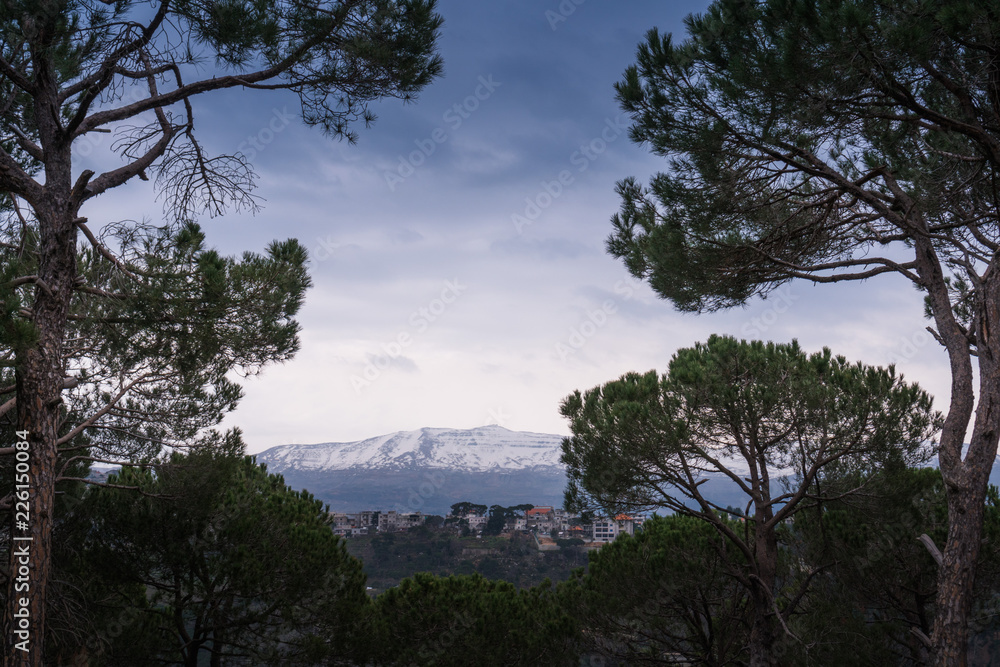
<point>538,510</point>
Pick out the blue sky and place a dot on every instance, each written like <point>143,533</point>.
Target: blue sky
<point>458,260</point>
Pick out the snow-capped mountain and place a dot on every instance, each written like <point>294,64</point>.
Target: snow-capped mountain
<point>426,470</point>
<point>483,449</point>
<point>432,468</point>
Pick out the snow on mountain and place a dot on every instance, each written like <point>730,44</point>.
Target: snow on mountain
<point>483,449</point>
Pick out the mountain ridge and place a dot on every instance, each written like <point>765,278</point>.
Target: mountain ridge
<point>479,449</point>
<point>428,469</point>
<point>431,468</point>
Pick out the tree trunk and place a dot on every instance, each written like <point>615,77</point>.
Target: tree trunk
<point>39,377</point>
<point>966,482</point>
<point>966,500</point>
<point>31,525</point>
<point>762,631</point>
<point>41,368</point>
<point>762,635</point>
<point>957,578</point>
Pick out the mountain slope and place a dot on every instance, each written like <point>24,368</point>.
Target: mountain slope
<point>430,469</point>
<point>479,449</point>
<point>427,470</point>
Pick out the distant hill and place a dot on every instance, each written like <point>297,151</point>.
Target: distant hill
<point>427,470</point>
<point>430,469</point>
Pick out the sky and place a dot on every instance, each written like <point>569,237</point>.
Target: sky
<point>460,276</point>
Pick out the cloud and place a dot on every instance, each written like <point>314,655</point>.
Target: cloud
<point>546,249</point>
<point>398,362</point>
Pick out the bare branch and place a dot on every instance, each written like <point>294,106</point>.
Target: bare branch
<point>159,101</point>
<point>26,144</point>
<point>13,179</point>
<point>928,543</point>
<point>100,248</point>
<point>93,85</point>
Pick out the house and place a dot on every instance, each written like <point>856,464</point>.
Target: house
<point>608,530</point>
<point>411,520</point>
<point>541,519</point>
<point>341,524</point>
<point>392,521</point>
<point>388,521</point>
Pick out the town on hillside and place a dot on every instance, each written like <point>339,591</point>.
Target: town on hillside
<point>549,525</point>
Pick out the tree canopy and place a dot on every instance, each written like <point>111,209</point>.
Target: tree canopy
<point>661,595</point>
<point>784,427</point>
<point>466,507</point>
<point>758,413</point>
<point>500,516</point>
<point>834,140</point>
<point>462,620</point>
<point>214,560</point>
<point>70,69</point>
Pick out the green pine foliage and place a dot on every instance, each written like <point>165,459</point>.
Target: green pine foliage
<point>878,580</point>
<point>789,429</point>
<point>178,320</point>
<point>662,596</point>
<point>829,141</point>
<point>155,338</point>
<point>469,620</point>
<point>642,441</point>
<point>213,559</point>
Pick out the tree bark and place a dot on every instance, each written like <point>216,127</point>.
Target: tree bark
<point>762,634</point>
<point>957,578</point>
<point>966,481</point>
<point>39,385</point>
<point>39,377</point>
<point>966,498</point>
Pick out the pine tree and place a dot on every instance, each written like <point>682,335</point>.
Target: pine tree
<point>70,69</point>
<point>662,596</point>
<point>781,425</point>
<point>232,565</point>
<point>469,620</point>
<point>828,141</point>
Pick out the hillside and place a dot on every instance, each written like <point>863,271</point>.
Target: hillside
<point>427,470</point>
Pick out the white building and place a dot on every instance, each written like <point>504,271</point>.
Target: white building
<point>607,530</point>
